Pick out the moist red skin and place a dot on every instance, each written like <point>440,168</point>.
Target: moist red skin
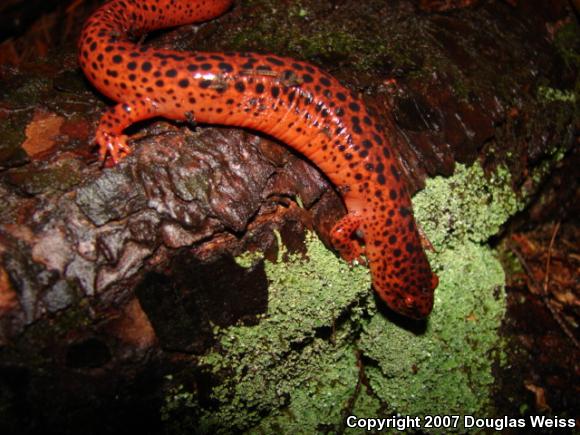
<point>291,100</point>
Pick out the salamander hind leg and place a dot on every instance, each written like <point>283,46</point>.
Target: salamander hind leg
<point>110,138</point>
<point>343,236</point>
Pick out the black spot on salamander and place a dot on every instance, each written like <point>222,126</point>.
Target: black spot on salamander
<point>275,61</point>
<point>225,67</point>
<point>395,172</point>
<point>324,81</point>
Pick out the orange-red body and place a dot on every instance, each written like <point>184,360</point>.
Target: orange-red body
<point>294,101</point>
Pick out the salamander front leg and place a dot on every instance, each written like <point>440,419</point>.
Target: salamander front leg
<point>112,142</point>
<point>343,236</point>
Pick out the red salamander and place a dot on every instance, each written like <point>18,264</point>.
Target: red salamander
<point>291,100</point>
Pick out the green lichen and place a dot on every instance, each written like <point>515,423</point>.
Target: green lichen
<point>176,398</point>
<point>469,206</point>
<point>547,94</point>
<point>564,110</point>
<point>300,369</point>
<point>322,394</point>
<point>247,259</point>
<point>298,361</point>
<point>562,104</point>
<point>448,369</point>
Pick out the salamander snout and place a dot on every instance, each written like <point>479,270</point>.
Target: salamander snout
<point>416,307</point>
<point>414,300</point>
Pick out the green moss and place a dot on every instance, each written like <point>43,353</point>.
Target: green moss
<point>562,104</point>
<point>324,43</point>
<point>307,30</point>
<point>567,43</point>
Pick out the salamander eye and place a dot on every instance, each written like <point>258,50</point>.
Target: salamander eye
<point>409,302</point>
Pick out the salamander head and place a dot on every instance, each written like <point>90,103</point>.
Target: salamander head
<point>400,270</point>
<point>402,277</point>
<point>413,299</point>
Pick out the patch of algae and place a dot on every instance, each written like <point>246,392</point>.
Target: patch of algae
<point>298,364</point>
